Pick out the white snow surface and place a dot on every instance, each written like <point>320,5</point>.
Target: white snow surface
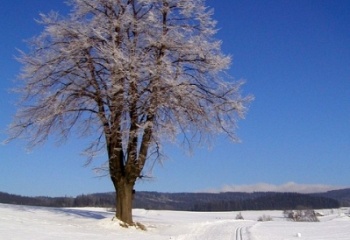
<point>25,222</point>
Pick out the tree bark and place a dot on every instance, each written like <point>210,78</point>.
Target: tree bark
<point>124,197</point>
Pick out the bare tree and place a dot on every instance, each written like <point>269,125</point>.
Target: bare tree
<point>131,73</point>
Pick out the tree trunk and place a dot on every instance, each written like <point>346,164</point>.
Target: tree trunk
<point>124,197</point>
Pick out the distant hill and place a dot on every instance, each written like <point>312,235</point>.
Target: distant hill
<point>342,195</point>
<point>230,201</point>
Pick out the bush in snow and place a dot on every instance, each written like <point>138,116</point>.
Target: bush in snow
<point>265,218</point>
<point>239,216</point>
<point>301,215</point>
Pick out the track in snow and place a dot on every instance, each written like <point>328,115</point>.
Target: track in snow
<point>224,229</point>
<point>239,233</point>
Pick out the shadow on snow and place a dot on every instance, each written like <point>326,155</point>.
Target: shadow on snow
<point>82,213</point>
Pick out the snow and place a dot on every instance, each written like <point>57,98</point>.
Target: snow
<point>25,222</point>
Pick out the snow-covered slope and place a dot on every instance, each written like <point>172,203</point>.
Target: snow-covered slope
<point>23,222</point>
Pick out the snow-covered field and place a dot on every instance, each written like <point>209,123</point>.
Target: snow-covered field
<point>23,222</point>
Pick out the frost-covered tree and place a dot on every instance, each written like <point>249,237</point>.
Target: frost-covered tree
<point>131,74</point>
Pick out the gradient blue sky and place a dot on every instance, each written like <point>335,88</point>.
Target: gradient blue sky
<point>295,57</point>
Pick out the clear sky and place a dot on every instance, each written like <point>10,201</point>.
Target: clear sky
<point>295,58</point>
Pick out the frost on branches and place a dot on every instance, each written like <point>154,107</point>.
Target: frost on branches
<point>131,73</point>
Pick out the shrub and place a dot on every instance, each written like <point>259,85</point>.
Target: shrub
<point>239,216</point>
<point>265,218</point>
<point>302,215</point>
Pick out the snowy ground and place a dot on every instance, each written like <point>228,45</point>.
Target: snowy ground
<point>22,222</point>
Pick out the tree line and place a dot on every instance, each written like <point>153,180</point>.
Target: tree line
<point>89,200</point>
<point>187,201</point>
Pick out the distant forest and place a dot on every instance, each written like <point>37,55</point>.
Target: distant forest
<point>230,201</point>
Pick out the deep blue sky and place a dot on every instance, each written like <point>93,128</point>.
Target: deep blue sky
<point>295,58</point>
